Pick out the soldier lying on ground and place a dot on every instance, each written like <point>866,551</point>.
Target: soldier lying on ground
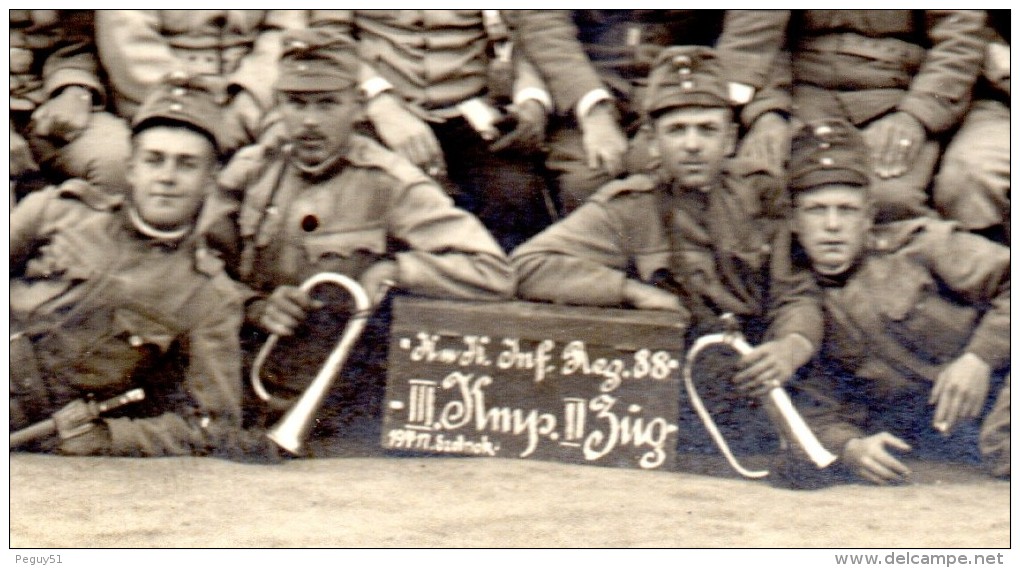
<point>110,293</point>
<point>696,239</point>
<point>331,200</point>
<point>917,343</point>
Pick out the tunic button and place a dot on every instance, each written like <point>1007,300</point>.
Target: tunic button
<point>179,92</point>
<point>135,341</point>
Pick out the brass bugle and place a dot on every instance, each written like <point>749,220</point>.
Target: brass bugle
<point>291,430</point>
<point>778,402</point>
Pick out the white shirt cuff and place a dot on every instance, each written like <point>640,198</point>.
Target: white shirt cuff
<point>534,94</point>
<point>372,87</point>
<point>740,94</point>
<point>590,99</point>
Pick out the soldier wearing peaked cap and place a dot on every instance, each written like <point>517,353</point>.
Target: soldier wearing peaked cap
<point>697,239</point>
<point>113,293</point>
<point>332,200</point>
<point>916,351</point>
<point>596,63</point>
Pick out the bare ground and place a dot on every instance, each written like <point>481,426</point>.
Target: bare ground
<point>373,500</point>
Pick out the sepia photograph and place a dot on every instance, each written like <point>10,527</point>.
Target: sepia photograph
<point>692,285</point>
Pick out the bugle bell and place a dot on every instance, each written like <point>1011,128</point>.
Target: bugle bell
<point>291,430</point>
<point>777,401</point>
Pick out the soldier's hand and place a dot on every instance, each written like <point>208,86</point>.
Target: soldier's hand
<point>528,136</point>
<point>284,310</point>
<point>406,134</point>
<point>895,141</point>
<point>65,116</point>
<point>605,144</point>
<point>75,419</point>
<point>647,297</point>
<point>768,141</point>
<point>22,161</point>
<point>772,364</point>
<point>379,278</point>
<point>869,458</point>
<point>960,391</point>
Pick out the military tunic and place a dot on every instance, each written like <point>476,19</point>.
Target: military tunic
<point>105,309</point>
<point>923,295</point>
<point>861,65</point>
<point>370,205</point>
<point>723,242</point>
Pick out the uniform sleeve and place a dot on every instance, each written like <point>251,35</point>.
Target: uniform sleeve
<point>27,219</point>
<point>210,422</point>
<point>578,260</point>
<point>940,92</point>
<point>74,62</point>
<point>256,72</point>
<point>978,270</point>
<point>450,253</point>
<point>134,53</point>
<point>795,305</point>
<point>775,96</point>
<point>833,417</point>
<point>549,40</point>
<point>749,42</point>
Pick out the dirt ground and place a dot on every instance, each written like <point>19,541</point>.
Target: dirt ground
<point>368,499</point>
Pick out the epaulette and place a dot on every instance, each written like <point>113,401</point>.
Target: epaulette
<point>890,237</point>
<point>367,153</point>
<point>637,183</point>
<point>90,195</point>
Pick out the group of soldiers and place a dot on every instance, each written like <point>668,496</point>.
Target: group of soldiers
<point>838,181</point>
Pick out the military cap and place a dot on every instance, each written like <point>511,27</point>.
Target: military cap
<point>827,152</point>
<point>685,76</point>
<point>182,98</point>
<point>315,60</point>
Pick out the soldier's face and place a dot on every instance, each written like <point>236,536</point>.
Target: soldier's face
<point>693,143</point>
<point>170,172</point>
<point>832,225</point>
<point>319,123</point>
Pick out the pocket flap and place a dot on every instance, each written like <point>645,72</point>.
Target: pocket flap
<point>139,330</point>
<point>345,244</point>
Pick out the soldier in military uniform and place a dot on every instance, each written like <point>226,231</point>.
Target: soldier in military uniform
<point>58,126</point>
<point>236,49</point>
<point>903,77</point>
<point>596,63</point>
<point>450,91</point>
<point>973,183</point>
<point>695,239</point>
<point>110,293</point>
<point>331,200</point>
<point>917,337</point>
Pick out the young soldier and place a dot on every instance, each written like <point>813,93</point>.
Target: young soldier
<point>596,63</point>
<point>917,342</point>
<point>110,293</point>
<point>698,238</point>
<point>331,200</point>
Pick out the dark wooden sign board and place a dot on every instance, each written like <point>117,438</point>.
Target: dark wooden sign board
<point>534,381</point>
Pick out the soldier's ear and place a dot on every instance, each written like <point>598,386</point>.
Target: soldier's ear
<point>648,131</point>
